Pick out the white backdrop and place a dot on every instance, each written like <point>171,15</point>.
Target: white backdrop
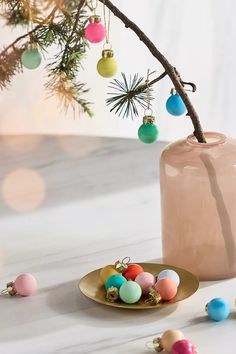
<point>198,37</point>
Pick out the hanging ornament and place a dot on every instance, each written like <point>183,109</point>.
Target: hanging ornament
<point>148,131</point>
<point>107,65</point>
<point>218,309</point>
<point>175,105</point>
<point>95,31</point>
<point>31,57</point>
<point>24,285</point>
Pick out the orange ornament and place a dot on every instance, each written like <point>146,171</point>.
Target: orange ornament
<point>167,288</point>
<point>132,271</point>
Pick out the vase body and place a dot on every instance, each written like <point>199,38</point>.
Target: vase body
<point>198,202</point>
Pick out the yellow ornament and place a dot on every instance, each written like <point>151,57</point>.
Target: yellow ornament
<point>106,272</point>
<point>107,65</point>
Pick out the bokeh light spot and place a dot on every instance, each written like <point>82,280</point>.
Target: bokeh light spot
<point>23,189</point>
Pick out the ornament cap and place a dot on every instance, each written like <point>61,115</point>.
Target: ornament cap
<point>95,19</point>
<point>122,265</point>
<point>107,53</point>
<point>112,294</point>
<point>149,120</point>
<point>157,345</point>
<point>173,91</point>
<point>10,288</point>
<point>32,46</point>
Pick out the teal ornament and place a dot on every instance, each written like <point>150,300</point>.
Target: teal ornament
<point>218,309</point>
<point>130,292</point>
<point>115,280</point>
<point>148,131</point>
<point>175,105</point>
<point>169,273</point>
<point>31,58</point>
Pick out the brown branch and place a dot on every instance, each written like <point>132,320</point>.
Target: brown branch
<point>170,70</point>
<point>154,81</point>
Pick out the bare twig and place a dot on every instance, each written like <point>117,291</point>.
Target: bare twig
<point>170,70</point>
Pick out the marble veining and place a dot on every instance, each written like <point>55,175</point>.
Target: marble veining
<point>101,203</point>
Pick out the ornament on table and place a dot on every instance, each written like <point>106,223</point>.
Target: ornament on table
<point>167,288</point>
<point>130,292</point>
<point>166,341</point>
<point>218,309</point>
<point>24,285</point>
<point>107,66</point>
<point>174,342</point>
<point>175,105</point>
<point>183,346</point>
<point>94,32</point>
<point>169,273</point>
<point>31,57</point>
<point>132,271</point>
<point>148,131</point>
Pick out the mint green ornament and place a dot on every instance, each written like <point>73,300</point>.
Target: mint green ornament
<point>130,292</point>
<point>31,58</point>
<point>148,131</point>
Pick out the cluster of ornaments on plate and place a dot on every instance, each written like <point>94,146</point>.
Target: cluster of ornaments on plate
<point>129,282</point>
<point>174,342</point>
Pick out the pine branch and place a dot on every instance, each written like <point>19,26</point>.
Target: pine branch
<point>9,66</point>
<point>128,94</point>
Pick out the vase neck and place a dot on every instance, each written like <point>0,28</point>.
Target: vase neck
<point>212,139</point>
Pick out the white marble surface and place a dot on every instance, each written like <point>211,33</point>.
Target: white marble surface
<point>101,203</point>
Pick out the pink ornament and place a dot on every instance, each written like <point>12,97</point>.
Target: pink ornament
<point>183,346</point>
<point>95,31</point>
<point>167,288</point>
<point>25,285</point>
<point>146,281</point>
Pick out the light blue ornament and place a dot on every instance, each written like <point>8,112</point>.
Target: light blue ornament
<point>169,273</point>
<point>218,309</point>
<point>31,58</point>
<point>175,105</point>
<point>115,280</point>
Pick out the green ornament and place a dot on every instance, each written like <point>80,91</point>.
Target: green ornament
<point>107,65</point>
<point>148,132</point>
<point>130,292</point>
<point>31,58</point>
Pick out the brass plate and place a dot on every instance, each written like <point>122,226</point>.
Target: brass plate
<point>90,286</point>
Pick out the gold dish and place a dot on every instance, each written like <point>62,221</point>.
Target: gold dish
<point>90,286</point>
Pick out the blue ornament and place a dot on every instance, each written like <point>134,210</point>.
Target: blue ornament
<point>218,309</point>
<point>115,280</point>
<point>175,105</point>
<point>169,273</point>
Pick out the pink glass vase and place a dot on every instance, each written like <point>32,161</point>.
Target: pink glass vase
<point>198,200</point>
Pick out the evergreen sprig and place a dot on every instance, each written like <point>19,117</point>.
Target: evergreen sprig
<point>127,95</point>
